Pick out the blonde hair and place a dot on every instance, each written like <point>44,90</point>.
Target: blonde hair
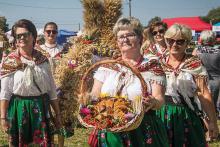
<point>207,36</point>
<point>147,35</point>
<point>130,23</point>
<point>147,39</point>
<point>179,30</point>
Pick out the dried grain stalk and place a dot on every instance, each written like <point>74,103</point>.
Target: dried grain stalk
<point>99,19</point>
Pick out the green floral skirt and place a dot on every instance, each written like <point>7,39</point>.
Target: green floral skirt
<point>184,127</point>
<point>151,133</point>
<point>28,118</point>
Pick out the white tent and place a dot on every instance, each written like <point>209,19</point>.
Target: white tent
<point>216,27</point>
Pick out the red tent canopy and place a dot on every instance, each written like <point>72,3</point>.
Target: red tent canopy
<point>195,23</point>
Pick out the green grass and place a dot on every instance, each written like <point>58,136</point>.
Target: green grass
<point>79,139</point>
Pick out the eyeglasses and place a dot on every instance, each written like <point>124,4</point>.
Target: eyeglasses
<point>51,31</point>
<point>130,36</point>
<point>172,41</point>
<point>161,31</point>
<point>25,35</point>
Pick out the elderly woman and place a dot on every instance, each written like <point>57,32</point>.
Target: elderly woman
<point>209,53</point>
<point>27,90</point>
<point>151,132</point>
<point>187,95</point>
<point>157,30</point>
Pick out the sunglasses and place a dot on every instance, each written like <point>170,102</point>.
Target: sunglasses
<point>25,35</point>
<point>51,31</point>
<point>161,31</point>
<point>172,41</point>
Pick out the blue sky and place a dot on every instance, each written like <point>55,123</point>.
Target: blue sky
<point>68,13</point>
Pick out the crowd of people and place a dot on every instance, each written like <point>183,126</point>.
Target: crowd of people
<point>181,107</point>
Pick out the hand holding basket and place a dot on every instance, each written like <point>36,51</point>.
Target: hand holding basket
<point>112,113</point>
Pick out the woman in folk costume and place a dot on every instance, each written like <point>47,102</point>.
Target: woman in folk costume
<point>27,91</point>
<point>158,47</point>
<point>54,53</point>
<point>187,97</point>
<point>151,132</point>
<point>52,50</point>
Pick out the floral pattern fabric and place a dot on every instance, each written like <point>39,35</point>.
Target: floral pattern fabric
<point>150,133</point>
<point>182,111</point>
<point>29,121</point>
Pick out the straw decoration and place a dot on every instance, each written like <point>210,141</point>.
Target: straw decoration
<point>96,37</point>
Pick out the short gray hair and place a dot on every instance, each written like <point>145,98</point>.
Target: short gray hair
<point>207,36</point>
<point>179,30</point>
<point>125,23</point>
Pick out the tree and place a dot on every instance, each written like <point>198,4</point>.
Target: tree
<point>213,16</point>
<point>3,24</point>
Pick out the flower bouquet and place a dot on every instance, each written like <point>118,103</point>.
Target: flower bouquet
<point>115,114</point>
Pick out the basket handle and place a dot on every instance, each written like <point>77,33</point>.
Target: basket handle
<point>110,61</point>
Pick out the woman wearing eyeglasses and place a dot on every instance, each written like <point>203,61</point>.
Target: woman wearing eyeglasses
<point>151,132</point>
<point>158,46</point>
<point>187,98</point>
<point>27,90</point>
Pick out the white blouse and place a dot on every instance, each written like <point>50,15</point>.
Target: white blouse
<point>184,84</point>
<point>132,89</point>
<point>21,82</point>
<point>53,50</point>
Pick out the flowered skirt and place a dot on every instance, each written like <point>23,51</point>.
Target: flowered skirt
<point>151,133</point>
<point>28,118</point>
<point>184,127</point>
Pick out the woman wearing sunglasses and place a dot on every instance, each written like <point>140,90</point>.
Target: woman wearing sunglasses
<point>187,98</point>
<point>157,30</point>
<point>27,90</point>
<point>54,53</point>
<point>51,48</point>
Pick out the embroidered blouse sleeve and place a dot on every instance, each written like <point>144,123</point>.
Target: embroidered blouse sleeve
<point>7,87</point>
<point>155,74</point>
<point>159,79</point>
<point>101,74</point>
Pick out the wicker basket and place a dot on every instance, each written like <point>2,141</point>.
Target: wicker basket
<point>136,120</point>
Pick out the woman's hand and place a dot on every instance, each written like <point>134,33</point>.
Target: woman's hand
<point>149,102</point>
<point>213,130</point>
<point>5,125</point>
